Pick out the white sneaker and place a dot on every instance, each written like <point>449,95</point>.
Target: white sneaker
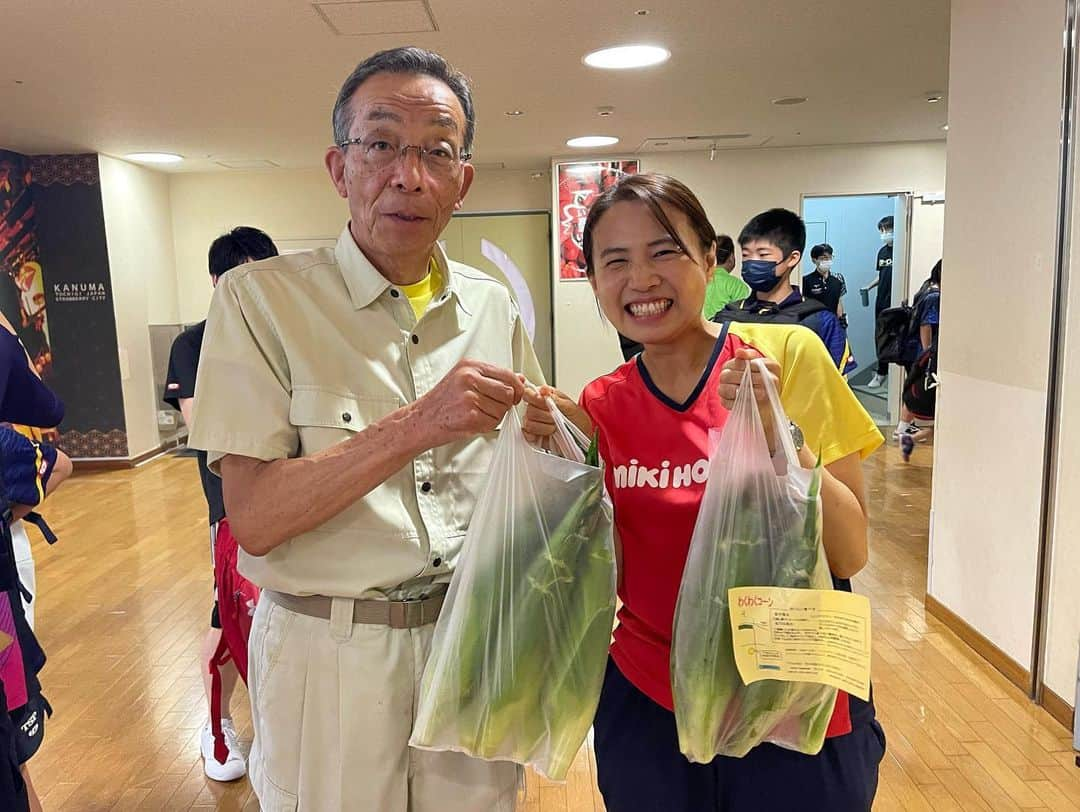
<point>234,767</point>
<point>877,381</point>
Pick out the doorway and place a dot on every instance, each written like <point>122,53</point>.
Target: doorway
<point>849,224</point>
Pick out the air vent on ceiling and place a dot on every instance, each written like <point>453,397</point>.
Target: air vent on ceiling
<point>369,17</point>
<point>246,163</point>
<point>689,143</point>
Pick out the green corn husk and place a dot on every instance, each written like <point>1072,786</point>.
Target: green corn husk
<point>763,535</point>
<point>519,652</point>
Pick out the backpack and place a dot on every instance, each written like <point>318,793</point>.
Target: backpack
<point>893,331</point>
<point>768,313</point>
<point>236,598</point>
<point>896,333</point>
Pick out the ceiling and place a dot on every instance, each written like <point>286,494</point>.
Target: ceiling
<point>255,80</point>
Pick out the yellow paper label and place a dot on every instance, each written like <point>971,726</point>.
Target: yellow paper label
<point>802,635</point>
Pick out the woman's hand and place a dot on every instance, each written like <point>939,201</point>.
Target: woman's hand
<point>540,423</point>
<point>731,378</point>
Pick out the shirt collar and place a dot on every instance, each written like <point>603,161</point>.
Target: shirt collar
<point>366,284</point>
<point>754,303</point>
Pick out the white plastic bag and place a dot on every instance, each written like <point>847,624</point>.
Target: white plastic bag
<point>519,651</point>
<point>755,528</point>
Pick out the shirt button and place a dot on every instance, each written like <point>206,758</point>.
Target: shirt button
<point>415,339</point>
<point>436,562</point>
<point>346,417</point>
<point>395,292</point>
<point>426,487</point>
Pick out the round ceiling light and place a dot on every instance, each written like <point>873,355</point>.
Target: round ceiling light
<point>788,101</point>
<point>587,141</point>
<point>155,157</point>
<point>515,113</point>
<point>627,56</point>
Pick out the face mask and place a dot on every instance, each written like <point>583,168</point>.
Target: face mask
<point>760,274</point>
<point>886,237</point>
<point>825,264</point>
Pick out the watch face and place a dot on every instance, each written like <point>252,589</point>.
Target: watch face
<point>797,437</point>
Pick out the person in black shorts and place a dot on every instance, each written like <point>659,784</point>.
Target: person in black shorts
<point>883,283</point>
<point>242,244</point>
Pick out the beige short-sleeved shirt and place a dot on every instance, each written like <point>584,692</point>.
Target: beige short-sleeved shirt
<point>304,350</point>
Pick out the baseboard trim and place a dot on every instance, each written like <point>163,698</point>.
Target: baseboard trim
<point>89,465</point>
<point>1058,708</point>
<point>1010,669</point>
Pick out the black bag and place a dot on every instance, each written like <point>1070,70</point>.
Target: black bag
<point>892,333</point>
<point>769,313</point>
<point>921,385</point>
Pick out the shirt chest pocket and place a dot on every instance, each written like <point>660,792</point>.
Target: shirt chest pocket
<point>325,417</point>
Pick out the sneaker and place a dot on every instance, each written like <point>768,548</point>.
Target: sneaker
<point>877,381</point>
<point>902,429</point>
<point>234,767</point>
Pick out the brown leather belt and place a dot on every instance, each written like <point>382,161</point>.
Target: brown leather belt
<point>406,614</point>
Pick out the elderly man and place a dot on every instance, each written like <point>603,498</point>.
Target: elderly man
<point>349,398</point>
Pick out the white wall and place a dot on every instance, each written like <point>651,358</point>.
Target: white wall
<point>999,222</point>
<point>292,206</point>
<point>741,183</point>
<point>138,229</point>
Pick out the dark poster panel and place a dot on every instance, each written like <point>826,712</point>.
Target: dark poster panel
<point>78,291</point>
<point>22,286</point>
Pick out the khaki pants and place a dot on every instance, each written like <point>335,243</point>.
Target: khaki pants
<point>333,705</point>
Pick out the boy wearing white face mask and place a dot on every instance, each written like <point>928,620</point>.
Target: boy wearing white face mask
<point>883,283</point>
<point>824,284</point>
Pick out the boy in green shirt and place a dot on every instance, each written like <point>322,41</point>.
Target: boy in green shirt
<point>723,287</point>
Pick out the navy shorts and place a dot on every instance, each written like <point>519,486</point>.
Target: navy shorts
<point>640,768</point>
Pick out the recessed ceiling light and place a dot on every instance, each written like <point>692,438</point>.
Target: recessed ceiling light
<point>536,175</point>
<point>934,98</point>
<point>586,141</point>
<point>604,112</point>
<point>945,127</point>
<point>627,56</point>
<point>788,101</point>
<point>642,12</point>
<point>515,113</point>
<point>155,157</point>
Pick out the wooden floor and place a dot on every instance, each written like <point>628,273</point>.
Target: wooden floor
<point>124,600</point>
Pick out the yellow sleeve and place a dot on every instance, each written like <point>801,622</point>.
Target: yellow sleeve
<point>813,392</point>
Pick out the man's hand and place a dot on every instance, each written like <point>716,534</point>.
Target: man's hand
<point>731,378</point>
<point>539,422</point>
<point>472,399</point>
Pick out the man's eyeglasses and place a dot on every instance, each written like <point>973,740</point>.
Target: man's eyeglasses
<point>379,152</point>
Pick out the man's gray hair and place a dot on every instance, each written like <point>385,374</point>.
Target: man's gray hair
<point>404,60</point>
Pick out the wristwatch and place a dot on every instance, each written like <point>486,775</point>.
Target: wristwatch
<point>796,436</point>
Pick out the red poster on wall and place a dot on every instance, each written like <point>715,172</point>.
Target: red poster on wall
<point>579,184</point>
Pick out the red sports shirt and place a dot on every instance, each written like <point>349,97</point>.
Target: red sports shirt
<point>656,455</point>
